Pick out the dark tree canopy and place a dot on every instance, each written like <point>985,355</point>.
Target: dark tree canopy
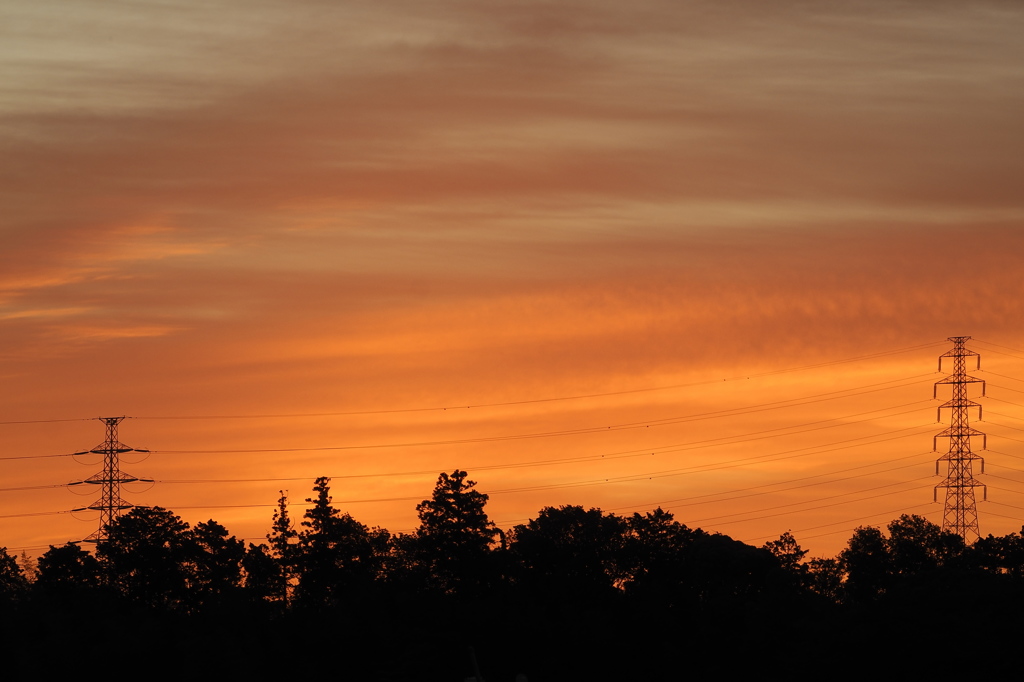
<point>264,578</point>
<point>788,551</point>
<point>914,552</point>
<point>1003,555</point>
<point>281,540</point>
<point>145,555</point>
<point>455,535</point>
<point>335,557</point>
<point>282,532</point>
<point>411,606</point>
<point>866,563</point>
<point>454,516</point>
<point>215,559</point>
<point>12,581</point>
<point>656,555</point>
<point>917,546</point>
<point>68,569</point>
<point>572,550</point>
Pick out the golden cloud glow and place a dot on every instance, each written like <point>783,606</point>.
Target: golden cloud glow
<point>350,210</point>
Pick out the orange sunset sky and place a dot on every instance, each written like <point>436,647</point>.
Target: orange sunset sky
<point>568,215</point>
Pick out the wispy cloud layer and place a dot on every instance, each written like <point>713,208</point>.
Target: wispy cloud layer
<point>319,205</point>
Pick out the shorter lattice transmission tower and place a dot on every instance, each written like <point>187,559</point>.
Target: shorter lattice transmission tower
<point>110,504</point>
<point>961,512</point>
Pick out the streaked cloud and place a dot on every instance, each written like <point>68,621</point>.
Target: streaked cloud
<point>318,206</point>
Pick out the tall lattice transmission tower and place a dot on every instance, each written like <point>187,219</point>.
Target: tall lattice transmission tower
<point>110,504</point>
<point>961,512</point>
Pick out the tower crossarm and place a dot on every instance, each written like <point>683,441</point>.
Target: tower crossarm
<point>957,434</point>
<point>967,483</point>
<point>959,351</point>
<point>104,448</point>
<point>111,477</point>
<point>101,505</point>
<point>958,403</point>
<point>960,459</point>
<point>959,381</point>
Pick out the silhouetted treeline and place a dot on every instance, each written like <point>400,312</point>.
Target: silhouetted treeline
<point>572,594</point>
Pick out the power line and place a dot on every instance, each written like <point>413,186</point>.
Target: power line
<point>1002,376</point>
<point>33,487</point>
<point>546,434</point>
<point>767,485</point>
<point>1008,402</point>
<point>842,530</point>
<point>990,343</point>
<point>1012,355</point>
<point>660,450</point>
<point>813,450</point>
<point>223,506</point>
<point>1003,466</point>
<point>556,486</point>
<point>676,447</point>
<point>1003,504</point>
<point>1005,388</point>
<point>820,499</point>
<point>1015,440</point>
<point>782,404</point>
<point>1002,426</point>
<point>49,421</point>
<point>624,479</point>
<point>697,468</point>
<point>442,408</point>
<point>1005,490</point>
<point>1005,454</point>
<point>1008,416</point>
<point>46,513</point>
<point>65,454</point>
<point>631,478</point>
<point>676,502</point>
<point>1003,516</point>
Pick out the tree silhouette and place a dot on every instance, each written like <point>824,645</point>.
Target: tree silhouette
<point>263,579</point>
<point>455,535</point>
<point>67,570</point>
<point>571,551</point>
<point>215,560</point>
<point>1002,555</point>
<point>29,568</point>
<point>12,581</point>
<point>282,549</point>
<point>825,577</point>
<point>145,557</point>
<point>724,572</point>
<point>867,564</point>
<point>788,551</point>
<point>655,556</point>
<point>335,553</point>
<point>790,556</point>
<point>917,546</point>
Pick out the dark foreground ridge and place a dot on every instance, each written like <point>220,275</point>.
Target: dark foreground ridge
<point>574,594</point>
